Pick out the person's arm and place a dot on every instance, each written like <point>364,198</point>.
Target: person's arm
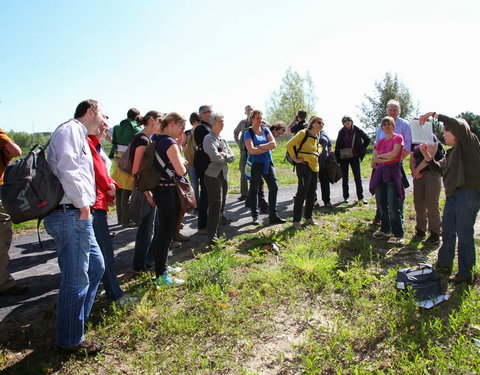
<point>260,149</point>
<point>294,121</point>
<point>211,149</point>
<point>11,150</point>
<point>435,166</point>
<point>237,131</point>
<point>176,159</point>
<point>389,156</point>
<point>230,154</point>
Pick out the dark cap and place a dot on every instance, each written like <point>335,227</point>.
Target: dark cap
<point>346,118</point>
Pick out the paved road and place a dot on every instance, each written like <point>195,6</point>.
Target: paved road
<point>39,269</point>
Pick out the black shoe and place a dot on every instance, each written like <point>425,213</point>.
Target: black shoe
<point>442,269</point>
<point>255,222</point>
<point>86,347</point>
<point>419,234</point>
<point>225,221</point>
<point>241,198</point>
<point>276,220</point>
<point>328,204</point>
<point>16,290</point>
<point>433,239</point>
<point>457,279</point>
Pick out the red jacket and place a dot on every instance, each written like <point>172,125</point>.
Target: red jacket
<point>102,178</point>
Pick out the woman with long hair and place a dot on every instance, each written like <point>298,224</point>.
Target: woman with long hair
<point>304,149</point>
<point>165,194</point>
<point>143,204</point>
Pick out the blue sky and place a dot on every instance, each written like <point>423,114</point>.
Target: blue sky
<point>175,56</point>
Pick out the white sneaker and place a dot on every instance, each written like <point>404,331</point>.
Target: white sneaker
<point>297,225</point>
<point>397,241</point>
<point>310,222</point>
<point>173,269</point>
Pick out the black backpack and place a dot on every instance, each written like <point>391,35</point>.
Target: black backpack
<point>201,160</point>
<point>30,189</point>
<point>422,280</point>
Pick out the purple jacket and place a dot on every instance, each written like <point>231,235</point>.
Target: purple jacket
<point>388,173</point>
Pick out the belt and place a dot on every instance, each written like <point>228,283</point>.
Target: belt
<point>166,184</point>
<point>67,206</point>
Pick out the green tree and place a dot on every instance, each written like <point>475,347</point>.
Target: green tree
<point>473,120</point>
<point>295,93</point>
<point>373,110</point>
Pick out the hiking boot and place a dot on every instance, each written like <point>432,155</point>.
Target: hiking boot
<point>419,234</point>
<point>175,244</point>
<point>166,279</point>
<point>297,225</point>
<point>433,239</point>
<point>86,347</point>
<point>225,221</point>
<point>181,238</point>
<point>457,279</point>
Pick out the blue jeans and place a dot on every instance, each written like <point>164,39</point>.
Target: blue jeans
<point>102,234</point>
<point>459,215</point>
<point>144,248</point>
<point>81,268</point>
<point>272,183</point>
<point>391,208</point>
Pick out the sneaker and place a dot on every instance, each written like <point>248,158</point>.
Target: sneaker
<point>297,225</point>
<point>171,270</point>
<point>380,234</point>
<point>364,201</point>
<point>180,237</point>
<point>175,244</point>
<point>433,239</point>
<point>86,347</point>
<point>255,222</point>
<point>396,241</point>
<point>202,231</point>
<point>345,200</point>
<point>328,205</point>
<point>126,300</point>
<point>310,222</point>
<point>225,221</point>
<point>276,220</point>
<point>166,279</point>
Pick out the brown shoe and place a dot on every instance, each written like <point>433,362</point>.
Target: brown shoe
<point>433,239</point>
<point>15,290</point>
<point>376,221</point>
<point>86,347</point>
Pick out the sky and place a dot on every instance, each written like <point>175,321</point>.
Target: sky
<point>177,55</point>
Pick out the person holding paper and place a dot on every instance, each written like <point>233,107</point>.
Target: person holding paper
<point>460,169</point>
<point>426,192</point>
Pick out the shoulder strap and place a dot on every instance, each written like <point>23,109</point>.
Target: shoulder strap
<point>303,141</point>
<point>163,164</point>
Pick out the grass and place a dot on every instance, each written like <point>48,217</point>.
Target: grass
<point>317,301</point>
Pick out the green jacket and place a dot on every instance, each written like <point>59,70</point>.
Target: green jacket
<point>123,134</point>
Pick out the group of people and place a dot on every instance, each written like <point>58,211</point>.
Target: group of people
<point>79,224</point>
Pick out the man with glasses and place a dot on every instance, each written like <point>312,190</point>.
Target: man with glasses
<point>71,226</point>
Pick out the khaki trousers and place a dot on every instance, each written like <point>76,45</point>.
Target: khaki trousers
<point>426,195</point>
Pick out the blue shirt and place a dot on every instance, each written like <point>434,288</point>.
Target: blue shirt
<point>402,127</point>
<point>260,140</point>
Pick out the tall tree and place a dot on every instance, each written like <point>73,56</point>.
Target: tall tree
<point>295,93</point>
<point>473,120</point>
<point>374,109</point>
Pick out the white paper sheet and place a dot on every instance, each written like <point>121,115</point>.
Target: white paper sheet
<point>421,133</point>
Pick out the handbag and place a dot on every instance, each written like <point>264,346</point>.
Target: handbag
<point>248,167</point>
<point>185,193</point>
<point>125,162</point>
<point>347,153</point>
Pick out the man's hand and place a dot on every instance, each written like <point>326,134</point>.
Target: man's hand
<point>85,213</point>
